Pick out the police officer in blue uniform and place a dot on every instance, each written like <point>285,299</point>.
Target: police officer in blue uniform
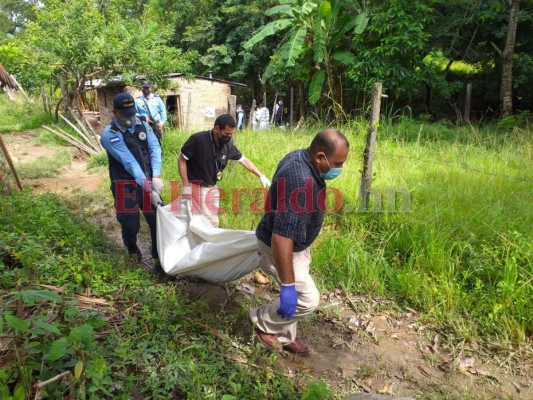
<point>135,171</point>
<point>151,108</point>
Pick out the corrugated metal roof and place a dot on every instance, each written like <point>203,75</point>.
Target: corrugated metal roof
<point>118,80</point>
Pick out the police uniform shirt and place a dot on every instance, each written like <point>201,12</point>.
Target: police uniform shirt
<point>202,155</point>
<point>157,108</point>
<point>113,142</point>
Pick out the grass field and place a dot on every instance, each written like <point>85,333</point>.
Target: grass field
<point>20,115</point>
<point>458,248</point>
<point>463,252</point>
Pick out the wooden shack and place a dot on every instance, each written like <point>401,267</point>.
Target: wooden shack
<point>192,104</point>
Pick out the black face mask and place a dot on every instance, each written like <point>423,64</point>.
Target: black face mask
<point>146,92</point>
<point>224,139</point>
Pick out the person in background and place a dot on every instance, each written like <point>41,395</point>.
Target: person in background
<point>262,116</point>
<point>241,117</point>
<point>152,109</point>
<point>286,232</point>
<point>254,119</point>
<point>278,113</point>
<point>135,171</point>
<point>203,159</point>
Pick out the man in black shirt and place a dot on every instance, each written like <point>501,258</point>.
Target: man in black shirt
<point>292,221</point>
<point>203,159</point>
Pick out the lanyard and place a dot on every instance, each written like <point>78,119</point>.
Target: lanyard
<point>218,163</point>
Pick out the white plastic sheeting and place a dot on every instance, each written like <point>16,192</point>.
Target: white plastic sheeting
<point>190,246</point>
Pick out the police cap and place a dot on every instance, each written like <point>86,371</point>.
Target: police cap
<point>125,103</point>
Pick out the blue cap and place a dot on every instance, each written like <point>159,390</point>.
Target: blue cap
<point>146,84</point>
<point>125,103</point>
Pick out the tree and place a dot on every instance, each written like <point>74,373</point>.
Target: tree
<point>14,14</point>
<point>506,91</point>
<point>393,48</point>
<point>316,42</point>
<point>78,40</point>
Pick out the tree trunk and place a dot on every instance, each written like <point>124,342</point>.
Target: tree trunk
<point>232,106</point>
<point>291,115</point>
<point>466,119</point>
<point>429,101</point>
<point>506,91</point>
<point>301,99</point>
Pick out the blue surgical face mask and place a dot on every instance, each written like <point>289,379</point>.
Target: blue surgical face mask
<point>332,172</point>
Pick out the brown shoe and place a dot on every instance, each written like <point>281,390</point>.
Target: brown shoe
<point>298,347</point>
<point>271,342</point>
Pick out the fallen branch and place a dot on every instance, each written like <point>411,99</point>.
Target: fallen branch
<point>88,130</point>
<point>79,132</point>
<point>66,374</point>
<point>70,139</point>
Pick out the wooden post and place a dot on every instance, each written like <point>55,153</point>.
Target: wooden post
<point>301,99</point>
<point>8,159</point>
<point>10,93</point>
<point>188,112</point>
<point>232,106</point>
<point>291,115</point>
<point>252,110</point>
<point>273,108</point>
<point>368,154</point>
<point>466,118</point>
<point>4,177</point>
<point>14,79</point>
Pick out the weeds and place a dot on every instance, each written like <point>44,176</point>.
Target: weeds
<point>44,167</point>
<point>461,254</point>
<point>20,115</point>
<point>134,344</point>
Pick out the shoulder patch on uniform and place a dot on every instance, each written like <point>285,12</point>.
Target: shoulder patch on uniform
<point>114,139</point>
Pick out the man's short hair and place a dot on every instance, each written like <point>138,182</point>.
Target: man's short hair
<point>328,143</point>
<point>225,120</point>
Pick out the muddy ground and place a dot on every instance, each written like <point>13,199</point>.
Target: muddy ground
<point>360,343</point>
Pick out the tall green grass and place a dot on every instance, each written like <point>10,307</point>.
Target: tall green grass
<point>20,115</point>
<point>463,254</point>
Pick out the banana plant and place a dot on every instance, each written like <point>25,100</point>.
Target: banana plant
<point>317,35</point>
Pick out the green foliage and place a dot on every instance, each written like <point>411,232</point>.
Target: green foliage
<point>384,55</point>
<point>120,350</point>
<point>317,391</point>
<point>20,115</point>
<point>313,32</point>
<point>44,167</point>
<point>79,39</point>
<point>467,220</point>
<point>520,120</point>
<point>98,160</point>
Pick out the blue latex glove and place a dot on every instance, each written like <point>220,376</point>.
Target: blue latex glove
<point>289,300</point>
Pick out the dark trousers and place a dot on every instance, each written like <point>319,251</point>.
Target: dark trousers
<point>129,201</point>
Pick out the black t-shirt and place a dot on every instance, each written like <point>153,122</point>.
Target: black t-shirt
<point>204,156</point>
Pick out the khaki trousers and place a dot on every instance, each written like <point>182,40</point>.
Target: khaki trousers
<point>210,203</point>
<point>265,318</point>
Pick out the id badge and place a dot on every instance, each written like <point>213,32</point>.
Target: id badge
<point>219,175</point>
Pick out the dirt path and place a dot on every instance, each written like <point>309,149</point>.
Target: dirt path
<point>368,344</point>
<point>360,343</point>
